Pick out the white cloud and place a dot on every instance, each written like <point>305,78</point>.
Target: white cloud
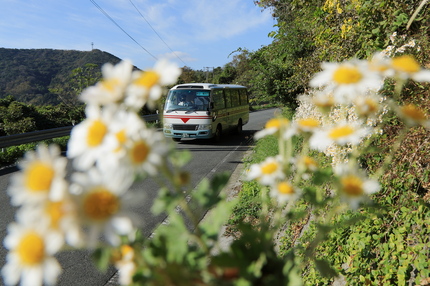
<point>178,56</point>
<point>212,20</point>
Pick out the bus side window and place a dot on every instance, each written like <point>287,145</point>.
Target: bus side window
<point>243,97</point>
<point>218,99</point>
<point>227,97</point>
<point>234,98</point>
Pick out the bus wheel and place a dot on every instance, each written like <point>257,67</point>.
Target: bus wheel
<point>218,134</point>
<point>239,127</point>
<point>176,139</point>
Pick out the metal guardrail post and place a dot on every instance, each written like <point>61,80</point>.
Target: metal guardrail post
<point>24,138</point>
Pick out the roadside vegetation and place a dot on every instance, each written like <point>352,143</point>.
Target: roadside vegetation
<point>384,247</point>
<point>388,246</point>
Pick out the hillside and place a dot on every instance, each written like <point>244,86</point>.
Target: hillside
<point>29,74</point>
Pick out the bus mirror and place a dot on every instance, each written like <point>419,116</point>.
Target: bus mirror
<point>212,105</point>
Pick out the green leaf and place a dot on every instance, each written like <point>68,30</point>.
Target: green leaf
<point>101,257</point>
<point>211,225</point>
<point>175,236</point>
<point>165,202</point>
<point>179,159</point>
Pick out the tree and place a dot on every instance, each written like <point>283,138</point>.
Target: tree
<point>78,80</point>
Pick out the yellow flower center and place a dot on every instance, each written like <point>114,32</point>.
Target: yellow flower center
<point>148,79</point>
<point>406,64</point>
<point>308,123</point>
<point>347,75</point>
<point>126,250</point>
<point>339,132</point>
<point>269,168</point>
<point>31,249</point>
<point>110,84</point>
<point>121,136</point>
<point>96,133</point>
<point>276,123</point>
<point>285,188</point>
<point>413,112</point>
<point>309,162</point>
<point>39,176</point>
<point>324,102</point>
<point>352,185</point>
<point>55,211</point>
<point>101,204</point>
<point>372,105</point>
<point>139,152</point>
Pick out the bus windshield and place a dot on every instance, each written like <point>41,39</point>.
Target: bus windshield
<point>187,100</point>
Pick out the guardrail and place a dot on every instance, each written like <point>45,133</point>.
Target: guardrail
<point>24,138</point>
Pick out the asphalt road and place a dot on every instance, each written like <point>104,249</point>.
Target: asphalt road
<point>208,159</point>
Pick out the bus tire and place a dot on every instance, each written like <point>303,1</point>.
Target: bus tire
<point>239,127</point>
<point>218,134</point>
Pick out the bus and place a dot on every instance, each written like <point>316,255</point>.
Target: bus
<point>205,110</point>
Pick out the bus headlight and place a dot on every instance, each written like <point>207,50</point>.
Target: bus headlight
<point>168,126</point>
<point>205,127</point>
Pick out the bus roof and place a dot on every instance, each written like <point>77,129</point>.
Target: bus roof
<point>206,86</point>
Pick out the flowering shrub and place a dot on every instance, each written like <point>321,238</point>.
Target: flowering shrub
<point>113,147</point>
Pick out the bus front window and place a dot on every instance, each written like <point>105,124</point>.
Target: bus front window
<point>187,100</point>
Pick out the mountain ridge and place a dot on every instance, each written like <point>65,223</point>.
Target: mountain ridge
<point>30,75</point>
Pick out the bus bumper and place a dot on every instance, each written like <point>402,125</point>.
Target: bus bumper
<point>199,134</point>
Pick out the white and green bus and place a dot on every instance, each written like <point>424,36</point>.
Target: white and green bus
<point>205,110</point>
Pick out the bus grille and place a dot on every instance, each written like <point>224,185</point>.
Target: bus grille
<point>185,126</point>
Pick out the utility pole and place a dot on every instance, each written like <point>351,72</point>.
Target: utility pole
<point>92,46</point>
<point>207,72</point>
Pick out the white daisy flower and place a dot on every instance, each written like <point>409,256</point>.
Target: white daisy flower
<point>302,126</point>
<point>380,63</point>
<point>347,79</point>
<point>112,87</point>
<point>146,86</point>
<point>354,186</point>
<point>368,106</point>
<point>31,255</point>
<point>305,163</point>
<point>284,191</point>
<point>60,217</point>
<point>88,140</point>
<point>342,134</point>
<point>146,151</point>
<point>325,101</point>
<point>272,126</point>
<point>125,265</point>
<point>125,125</point>
<point>267,172</point>
<point>413,115</point>
<point>42,176</point>
<point>405,67</point>
<point>104,205</point>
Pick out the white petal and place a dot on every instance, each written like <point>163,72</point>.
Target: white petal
<point>11,273</point>
<point>423,75</point>
<point>122,225</point>
<point>32,276</point>
<point>51,271</point>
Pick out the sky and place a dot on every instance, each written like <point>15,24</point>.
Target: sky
<point>200,34</point>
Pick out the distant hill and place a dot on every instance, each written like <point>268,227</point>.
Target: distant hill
<point>28,74</point>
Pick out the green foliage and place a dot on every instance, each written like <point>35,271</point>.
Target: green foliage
<point>10,155</point>
<point>18,117</point>
<point>78,80</point>
<point>308,32</point>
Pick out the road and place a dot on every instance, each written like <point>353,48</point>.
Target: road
<point>208,159</point>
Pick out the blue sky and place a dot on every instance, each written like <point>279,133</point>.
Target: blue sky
<point>195,33</point>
